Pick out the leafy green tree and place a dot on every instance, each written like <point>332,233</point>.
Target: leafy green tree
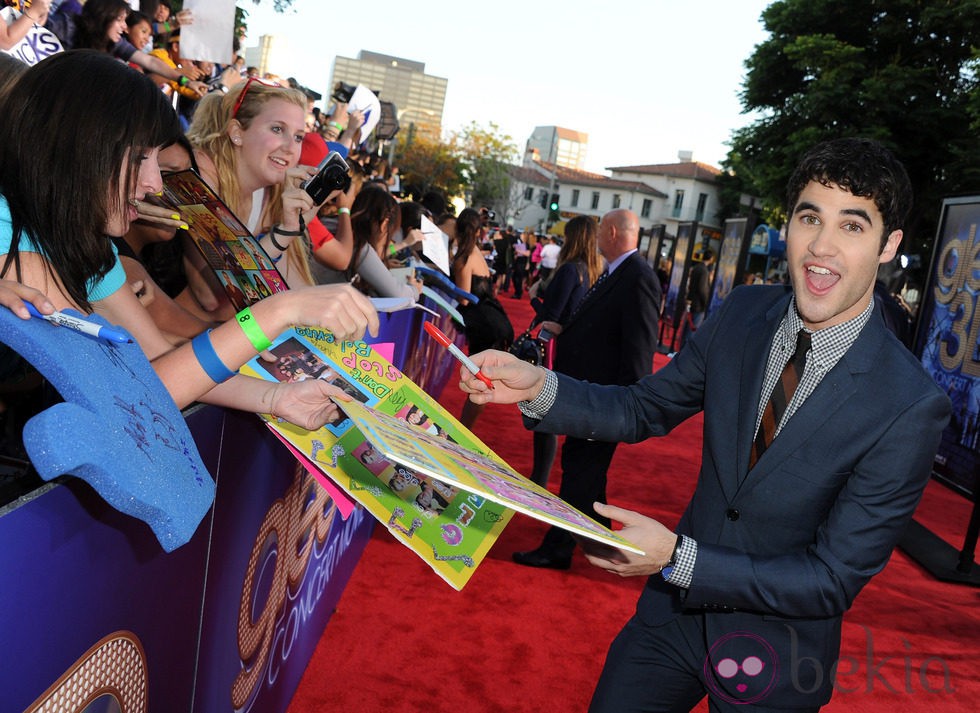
<point>486,155</point>
<point>473,162</point>
<point>428,164</point>
<point>904,72</point>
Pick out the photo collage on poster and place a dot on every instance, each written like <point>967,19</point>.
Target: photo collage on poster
<point>433,456</point>
<point>448,527</point>
<point>295,361</point>
<point>243,268</point>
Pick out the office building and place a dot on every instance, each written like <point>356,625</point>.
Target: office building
<point>260,55</point>
<point>418,97</point>
<point>557,145</point>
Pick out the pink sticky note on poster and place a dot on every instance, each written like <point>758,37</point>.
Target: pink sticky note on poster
<point>345,506</point>
<point>385,349</point>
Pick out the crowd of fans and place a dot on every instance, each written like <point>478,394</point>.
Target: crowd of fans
<point>254,140</point>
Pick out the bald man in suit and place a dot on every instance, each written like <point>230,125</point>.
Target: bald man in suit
<point>609,339</point>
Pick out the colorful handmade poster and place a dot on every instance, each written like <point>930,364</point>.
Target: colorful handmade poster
<point>436,487</point>
<point>432,457</point>
<point>449,528</point>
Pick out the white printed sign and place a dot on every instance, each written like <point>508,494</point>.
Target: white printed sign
<point>37,44</point>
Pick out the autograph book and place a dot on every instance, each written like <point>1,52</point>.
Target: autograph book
<point>436,487</point>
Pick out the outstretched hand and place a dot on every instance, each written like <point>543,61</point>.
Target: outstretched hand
<point>646,533</point>
<point>513,379</point>
<point>307,404</point>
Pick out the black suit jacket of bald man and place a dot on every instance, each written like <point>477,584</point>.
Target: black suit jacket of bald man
<point>610,339</point>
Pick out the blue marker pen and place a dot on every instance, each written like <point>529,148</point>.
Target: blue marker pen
<point>81,325</point>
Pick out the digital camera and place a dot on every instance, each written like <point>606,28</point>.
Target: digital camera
<point>332,174</point>
<point>342,92</point>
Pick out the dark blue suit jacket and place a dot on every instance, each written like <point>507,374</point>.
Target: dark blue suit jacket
<point>783,549</point>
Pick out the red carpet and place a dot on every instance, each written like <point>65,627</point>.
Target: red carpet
<point>519,639</point>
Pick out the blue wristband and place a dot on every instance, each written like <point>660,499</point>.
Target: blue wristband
<point>278,257</point>
<point>209,360</point>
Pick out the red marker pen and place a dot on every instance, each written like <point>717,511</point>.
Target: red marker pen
<point>436,334</point>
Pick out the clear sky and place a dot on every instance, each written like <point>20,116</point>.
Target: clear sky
<point>643,78</point>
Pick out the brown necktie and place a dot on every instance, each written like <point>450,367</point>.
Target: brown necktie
<point>781,395</point>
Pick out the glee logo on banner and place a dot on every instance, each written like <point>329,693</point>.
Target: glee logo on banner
<point>110,674</point>
<point>957,285</point>
<point>294,531</point>
<point>37,44</point>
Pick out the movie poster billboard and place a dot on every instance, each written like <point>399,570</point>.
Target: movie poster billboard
<point>654,244</point>
<point>730,258</point>
<point>947,341</point>
<point>678,273</point>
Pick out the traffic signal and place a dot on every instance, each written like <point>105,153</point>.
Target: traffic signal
<point>553,213</point>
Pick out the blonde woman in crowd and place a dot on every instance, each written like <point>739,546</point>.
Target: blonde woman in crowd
<point>247,145</point>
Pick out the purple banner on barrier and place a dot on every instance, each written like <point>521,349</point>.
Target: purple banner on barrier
<point>77,573</point>
<point>280,557</point>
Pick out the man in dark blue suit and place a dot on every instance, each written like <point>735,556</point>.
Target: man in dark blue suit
<point>792,515</point>
<point>609,338</point>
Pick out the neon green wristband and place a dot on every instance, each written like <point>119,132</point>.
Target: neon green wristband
<point>246,320</point>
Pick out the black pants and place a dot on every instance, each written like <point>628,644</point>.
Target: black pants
<point>660,669</point>
<point>545,448</point>
<point>520,275</point>
<point>584,465</point>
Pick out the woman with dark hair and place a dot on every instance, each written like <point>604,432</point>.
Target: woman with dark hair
<point>152,253</point>
<point>487,325</point>
<point>579,266</point>
<point>102,26</point>
<point>63,192</point>
<point>375,218</point>
<point>409,233</point>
